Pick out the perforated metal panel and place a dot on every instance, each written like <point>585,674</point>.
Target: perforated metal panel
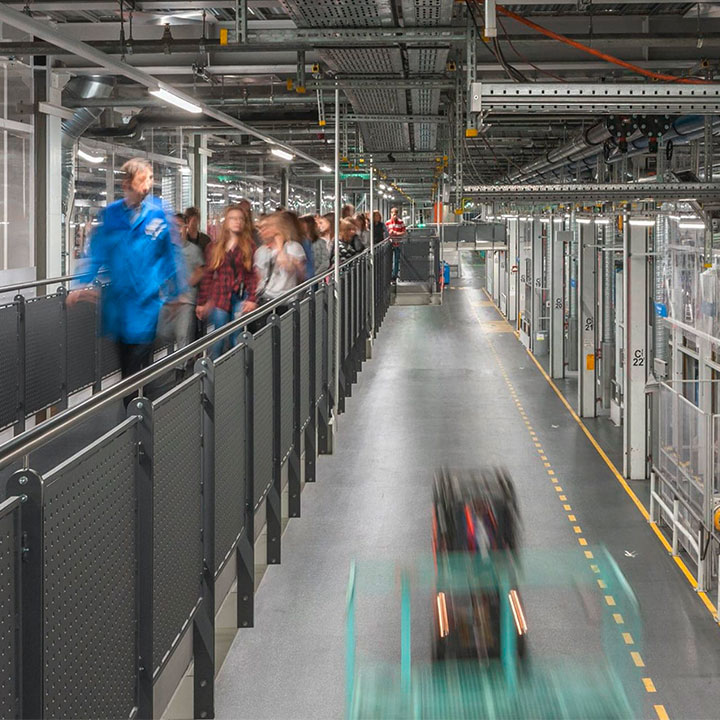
<point>81,328</point>
<point>44,343</point>
<point>287,383</point>
<point>332,329</point>
<point>426,101</point>
<point>177,514</point>
<point>229,452</point>
<point>90,581</point>
<point>320,356</point>
<point>8,365</point>
<point>110,359</point>
<point>263,412</point>
<point>345,317</point>
<point>427,12</point>
<point>9,589</point>
<point>305,361</point>
<point>340,13</point>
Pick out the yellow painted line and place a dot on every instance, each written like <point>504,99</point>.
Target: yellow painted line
<point>567,507</point>
<point>589,555</point>
<point>562,497</point>
<point>571,518</point>
<point>558,488</point>
<point>538,445</point>
<point>542,457</point>
<point>577,529</point>
<point>628,638</point>
<point>610,600</point>
<point>529,427</point>
<point>554,480</point>
<point>649,685</point>
<point>661,712</point>
<point>550,472</point>
<point>618,618</point>
<point>595,568</point>
<point>637,658</point>
<point>582,541</point>
<point>602,584</point>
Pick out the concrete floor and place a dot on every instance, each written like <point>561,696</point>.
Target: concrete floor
<point>435,394</point>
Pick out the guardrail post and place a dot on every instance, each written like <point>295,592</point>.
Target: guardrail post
<point>273,500</point>
<point>325,430</point>
<point>28,484</point>
<point>311,429</point>
<point>21,393</point>
<point>97,385</point>
<point>142,407</point>
<point>204,620</point>
<point>294,459</point>
<point>245,555</point>
<point>64,350</point>
<point>675,520</point>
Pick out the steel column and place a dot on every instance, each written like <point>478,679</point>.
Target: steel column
<point>587,283</point>
<point>635,247</point>
<point>556,258</point>
<point>336,260</point>
<point>537,345</point>
<point>199,177</point>
<point>513,274</point>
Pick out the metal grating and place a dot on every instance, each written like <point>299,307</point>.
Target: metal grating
<point>340,13</point>
<point>427,12</point>
<point>90,580</point>
<point>304,361</point>
<point>263,412</point>
<point>379,61</point>
<point>9,607</point>
<point>320,358</point>
<point>287,382</point>
<point>81,328</point>
<point>8,365</point>
<point>229,452</point>
<point>177,514</point>
<point>44,343</point>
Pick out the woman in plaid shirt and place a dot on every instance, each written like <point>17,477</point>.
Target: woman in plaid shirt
<point>227,289</point>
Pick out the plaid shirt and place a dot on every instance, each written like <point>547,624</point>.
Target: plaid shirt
<point>396,228</point>
<point>217,286</point>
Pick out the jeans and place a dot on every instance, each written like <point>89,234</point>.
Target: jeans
<point>133,358</point>
<point>396,262</point>
<point>218,318</point>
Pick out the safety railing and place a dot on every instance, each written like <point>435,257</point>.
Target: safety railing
<point>130,546</point>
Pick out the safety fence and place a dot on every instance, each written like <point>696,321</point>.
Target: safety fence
<point>116,561</point>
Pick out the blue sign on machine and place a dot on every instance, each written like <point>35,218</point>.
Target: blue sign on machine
<point>661,310</point>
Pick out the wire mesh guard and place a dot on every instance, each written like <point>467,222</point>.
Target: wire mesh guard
<point>577,618</point>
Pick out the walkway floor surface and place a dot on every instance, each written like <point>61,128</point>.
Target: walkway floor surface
<point>449,385</point>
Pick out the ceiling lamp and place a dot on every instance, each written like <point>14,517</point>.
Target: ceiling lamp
<point>176,100</point>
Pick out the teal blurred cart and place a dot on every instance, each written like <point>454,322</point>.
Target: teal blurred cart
<point>594,677</point>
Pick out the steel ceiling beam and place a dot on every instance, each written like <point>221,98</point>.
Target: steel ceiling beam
<point>47,32</point>
<point>637,98</point>
<point>595,192</point>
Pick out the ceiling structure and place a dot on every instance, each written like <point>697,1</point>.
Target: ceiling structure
<point>401,66</point>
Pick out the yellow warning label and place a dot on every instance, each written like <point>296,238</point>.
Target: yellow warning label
<point>223,36</point>
<point>590,361</point>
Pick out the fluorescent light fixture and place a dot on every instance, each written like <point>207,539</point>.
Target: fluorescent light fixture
<point>325,168</point>
<point>217,185</point>
<point>90,158</point>
<point>583,220</point>
<point>176,100</point>
<point>688,225</point>
<point>283,154</point>
<point>558,221</point>
<point>382,186</point>
<point>544,220</point>
<point>602,221</point>
<point>641,222</point>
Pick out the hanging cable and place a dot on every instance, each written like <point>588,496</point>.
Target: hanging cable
<point>523,58</point>
<point>596,53</point>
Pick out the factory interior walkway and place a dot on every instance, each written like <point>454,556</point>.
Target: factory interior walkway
<point>452,385</point>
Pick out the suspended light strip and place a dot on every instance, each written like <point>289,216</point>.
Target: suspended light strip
<point>95,159</point>
<point>602,221</point>
<point>683,225</point>
<point>642,222</point>
<point>326,168</point>
<point>279,152</point>
<point>583,220</point>
<point>177,101</point>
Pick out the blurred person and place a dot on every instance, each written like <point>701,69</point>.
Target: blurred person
<point>280,260</point>
<point>378,227</point>
<point>229,283</point>
<point>321,256</point>
<point>363,229</point>
<point>350,244</point>
<point>246,206</point>
<point>305,241</point>
<point>347,211</point>
<point>194,235</point>
<point>133,244</point>
<point>396,232</point>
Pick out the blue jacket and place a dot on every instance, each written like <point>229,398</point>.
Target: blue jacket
<point>136,248</point>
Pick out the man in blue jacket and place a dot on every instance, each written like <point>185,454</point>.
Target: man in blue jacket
<point>134,245</point>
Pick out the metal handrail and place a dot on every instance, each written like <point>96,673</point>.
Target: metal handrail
<point>31,439</point>
<point>39,283</point>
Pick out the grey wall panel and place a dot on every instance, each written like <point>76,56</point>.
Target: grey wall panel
<point>305,361</point>
<point>90,581</point>
<point>177,513</point>
<point>9,589</point>
<point>81,330</point>
<point>287,382</point>
<point>320,356</point>
<point>8,365</point>
<point>44,343</point>
<point>230,477</point>
<point>262,417</point>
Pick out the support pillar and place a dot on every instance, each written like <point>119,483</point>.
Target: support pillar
<point>513,266</point>
<point>587,284</point>
<point>284,188</point>
<point>635,247</point>
<point>199,177</point>
<point>319,197</point>
<point>538,340</point>
<point>556,260</point>
<point>571,288</point>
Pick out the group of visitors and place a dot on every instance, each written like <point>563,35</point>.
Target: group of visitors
<point>174,279</point>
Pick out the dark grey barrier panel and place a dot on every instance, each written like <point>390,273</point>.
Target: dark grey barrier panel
<point>287,382</point>
<point>89,588</point>
<point>44,351</point>
<point>262,412</point>
<point>331,334</point>
<point>230,438</point>
<point>10,608</point>
<point>9,361</point>
<point>81,328</point>
<point>305,398</point>
<point>109,358</point>
<point>177,514</point>
<point>321,358</point>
